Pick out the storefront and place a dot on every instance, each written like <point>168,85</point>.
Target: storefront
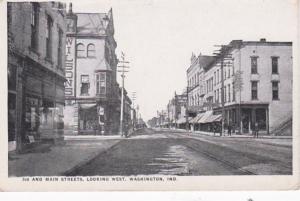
<point>249,114</point>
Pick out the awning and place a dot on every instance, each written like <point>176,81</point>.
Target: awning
<point>205,117</point>
<point>195,120</point>
<point>87,105</point>
<point>214,118</point>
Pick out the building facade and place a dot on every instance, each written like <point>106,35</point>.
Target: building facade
<point>92,92</point>
<point>36,32</point>
<point>253,82</point>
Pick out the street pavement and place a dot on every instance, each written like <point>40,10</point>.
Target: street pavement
<point>171,152</point>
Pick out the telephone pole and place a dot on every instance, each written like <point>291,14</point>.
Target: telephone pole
<point>222,55</point>
<point>133,98</point>
<point>124,69</point>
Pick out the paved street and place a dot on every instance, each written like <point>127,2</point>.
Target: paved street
<point>170,152</point>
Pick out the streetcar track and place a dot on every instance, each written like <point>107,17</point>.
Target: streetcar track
<point>227,163</point>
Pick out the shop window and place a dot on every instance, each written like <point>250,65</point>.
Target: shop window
<point>49,38</point>
<point>254,90</point>
<point>34,25</point>
<point>12,77</point>
<point>274,65</point>
<point>275,91</point>
<point>91,51</point>
<point>47,114</point>
<point>85,85</point>
<point>80,52</point>
<point>100,83</point>
<point>253,65</point>
<point>11,117</point>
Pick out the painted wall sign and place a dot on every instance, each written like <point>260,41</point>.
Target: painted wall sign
<point>70,67</point>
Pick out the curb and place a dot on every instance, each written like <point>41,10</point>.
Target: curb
<point>81,164</point>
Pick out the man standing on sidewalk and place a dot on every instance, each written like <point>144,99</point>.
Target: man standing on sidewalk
<point>256,129</point>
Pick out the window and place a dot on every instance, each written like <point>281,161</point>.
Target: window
<point>85,85</point>
<point>80,50</point>
<point>225,97</point>
<point>274,65</point>
<point>214,78</point>
<point>233,92</point>
<point>60,48</point>
<point>34,25</point>
<point>254,90</point>
<point>218,95</point>
<point>215,96</point>
<point>91,51</point>
<point>275,91</point>
<point>224,74</point>
<point>229,98</point>
<point>228,72</point>
<point>218,76</point>
<point>253,65</point>
<point>100,83</point>
<point>49,38</point>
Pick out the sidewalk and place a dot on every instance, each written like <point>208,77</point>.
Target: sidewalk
<point>284,141</point>
<point>57,159</point>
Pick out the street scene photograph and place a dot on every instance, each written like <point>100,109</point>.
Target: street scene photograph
<point>150,88</point>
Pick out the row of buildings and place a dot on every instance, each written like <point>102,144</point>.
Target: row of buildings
<point>246,82</point>
<point>62,74</point>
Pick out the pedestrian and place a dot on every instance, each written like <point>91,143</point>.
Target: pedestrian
<point>214,128</point>
<point>256,129</point>
<point>229,127</point>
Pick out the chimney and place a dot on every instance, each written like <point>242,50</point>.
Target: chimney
<point>263,40</point>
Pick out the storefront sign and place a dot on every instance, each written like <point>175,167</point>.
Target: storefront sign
<point>70,67</point>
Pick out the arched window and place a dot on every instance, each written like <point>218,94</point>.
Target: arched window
<point>91,51</point>
<point>80,50</point>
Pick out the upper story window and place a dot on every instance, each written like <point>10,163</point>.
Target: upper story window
<point>253,65</point>
<point>49,37</point>
<point>100,83</point>
<point>80,52</point>
<point>214,78</point>
<point>274,65</point>
<point>91,51</point>
<point>218,76</point>
<point>34,25</point>
<point>275,90</point>
<point>60,48</point>
<point>85,85</point>
<point>254,90</point>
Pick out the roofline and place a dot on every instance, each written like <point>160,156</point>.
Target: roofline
<point>194,63</point>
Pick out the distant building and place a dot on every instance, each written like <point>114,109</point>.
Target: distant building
<point>176,109</point>
<point>92,92</point>
<point>36,41</point>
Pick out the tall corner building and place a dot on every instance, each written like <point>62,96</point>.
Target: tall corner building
<point>91,90</point>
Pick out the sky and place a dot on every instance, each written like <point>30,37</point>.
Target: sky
<point>158,37</point>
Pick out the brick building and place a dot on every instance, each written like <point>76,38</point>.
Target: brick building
<point>92,92</point>
<point>36,41</point>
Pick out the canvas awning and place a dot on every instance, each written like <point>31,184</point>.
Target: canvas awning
<point>195,120</point>
<point>87,105</point>
<point>214,118</point>
<point>205,117</point>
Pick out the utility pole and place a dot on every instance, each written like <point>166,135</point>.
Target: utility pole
<point>133,98</point>
<point>122,71</point>
<point>222,55</point>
